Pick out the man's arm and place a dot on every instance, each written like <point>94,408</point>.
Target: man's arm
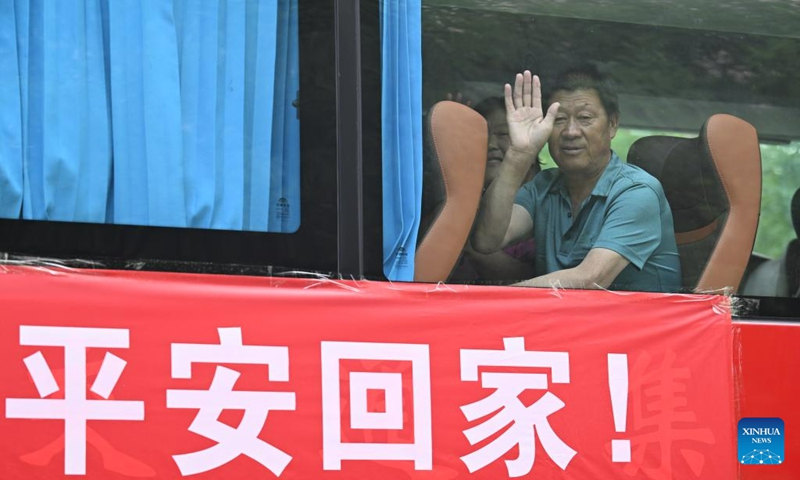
<point>499,221</point>
<point>598,270</point>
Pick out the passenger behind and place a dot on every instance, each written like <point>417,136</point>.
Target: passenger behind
<point>597,222</point>
<point>779,277</point>
<point>514,262</point>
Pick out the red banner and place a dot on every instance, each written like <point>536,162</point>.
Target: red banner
<point>121,375</point>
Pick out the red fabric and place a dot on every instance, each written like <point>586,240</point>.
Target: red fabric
<point>766,362</point>
<point>680,418</point>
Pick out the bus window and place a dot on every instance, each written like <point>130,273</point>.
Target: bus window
<point>184,115</point>
<point>673,68</point>
<point>775,269</point>
<point>173,114</point>
<point>781,177</point>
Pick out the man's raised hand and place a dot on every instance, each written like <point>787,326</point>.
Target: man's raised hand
<point>528,126</point>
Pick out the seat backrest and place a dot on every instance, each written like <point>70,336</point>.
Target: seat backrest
<point>713,186</point>
<point>792,255</point>
<point>454,165</point>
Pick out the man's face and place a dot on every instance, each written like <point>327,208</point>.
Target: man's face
<point>581,140</point>
<point>498,144</point>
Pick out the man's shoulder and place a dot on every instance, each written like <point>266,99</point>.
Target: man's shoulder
<point>633,177</point>
<point>544,179</point>
<point>535,192</point>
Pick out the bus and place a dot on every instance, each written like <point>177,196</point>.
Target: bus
<point>289,139</point>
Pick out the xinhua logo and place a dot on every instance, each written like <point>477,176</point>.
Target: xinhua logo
<point>761,441</point>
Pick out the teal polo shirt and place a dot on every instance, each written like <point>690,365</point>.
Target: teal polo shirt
<point>626,212</point>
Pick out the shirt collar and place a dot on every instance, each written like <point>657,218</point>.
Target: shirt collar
<point>603,186</point>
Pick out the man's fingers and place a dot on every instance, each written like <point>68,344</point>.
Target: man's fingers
<point>550,118</point>
<point>518,91</point>
<point>526,88</point>
<point>507,96</point>
<point>537,93</point>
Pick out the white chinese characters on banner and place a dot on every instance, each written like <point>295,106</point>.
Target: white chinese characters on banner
<point>74,409</point>
<point>231,442</point>
<point>502,410</point>
<point>525,421</point>
<point>334,448</point>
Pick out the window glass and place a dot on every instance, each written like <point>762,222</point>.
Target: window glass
<point>170,131</point>
<point>170,113</point>
<point>781,179</point>
<point>681,72</point>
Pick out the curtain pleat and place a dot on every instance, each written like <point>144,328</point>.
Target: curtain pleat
<point>284,198</point>
<point>94,175</point>
<point>198,96</point>
<point>259,93</point>
<point>229,162</point>
<point>62,113</point>
<point>11,183</point>
<point>401,110</point>
<point>145,107</point>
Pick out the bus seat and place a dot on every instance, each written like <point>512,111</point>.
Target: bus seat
<point>454,163</point>
<point>713,186</point>
<point>779,277</point>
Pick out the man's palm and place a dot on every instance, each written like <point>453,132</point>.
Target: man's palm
<point>526,130</point>
<point>528,126</point>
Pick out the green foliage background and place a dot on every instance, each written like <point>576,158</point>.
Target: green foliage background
<point>781,178</point>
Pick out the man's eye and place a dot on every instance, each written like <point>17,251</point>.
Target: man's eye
<point>560,120</point>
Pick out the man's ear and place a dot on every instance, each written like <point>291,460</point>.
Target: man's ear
<point>613,122</point>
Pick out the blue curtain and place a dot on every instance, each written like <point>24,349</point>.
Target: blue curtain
<point>11,118</point>
<point>157,112</point>
<point>401,106</point>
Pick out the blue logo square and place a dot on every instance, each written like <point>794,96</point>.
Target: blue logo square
<point>761,441</point>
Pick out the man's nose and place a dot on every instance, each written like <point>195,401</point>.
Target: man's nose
<point>492,141</point>
<point>571,128</point>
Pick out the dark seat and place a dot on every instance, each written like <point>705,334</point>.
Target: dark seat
<point>779,277</point>
<point>713,185</point>
<point>456,140</point>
